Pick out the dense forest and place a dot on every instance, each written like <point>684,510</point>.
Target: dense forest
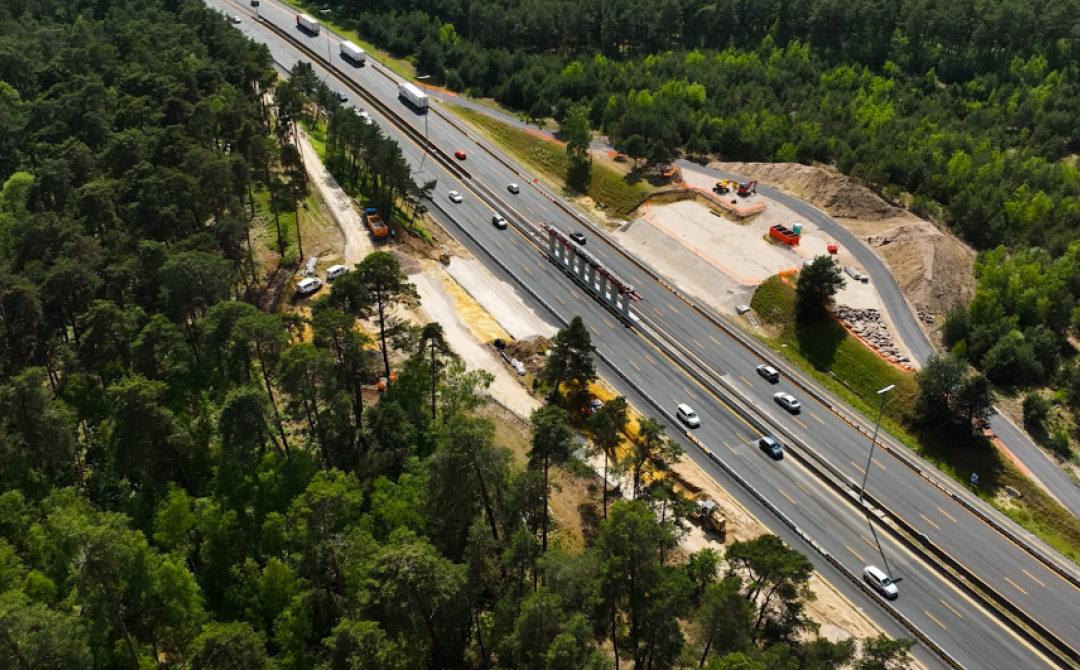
<point>967,112</point>
<point>189,479</point>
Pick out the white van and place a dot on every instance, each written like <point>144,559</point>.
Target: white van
<point>880,582</point>
<point>688,416</point>
<point>309,285</point>
<point>335,271</point>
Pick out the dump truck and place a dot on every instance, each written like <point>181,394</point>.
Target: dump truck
<point>702,509</point>
<point>353,52</point>
<point>413,95</point>
<point>375,224</point>
<point>307,23</point>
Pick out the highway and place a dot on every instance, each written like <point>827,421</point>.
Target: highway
<point>938,608</point>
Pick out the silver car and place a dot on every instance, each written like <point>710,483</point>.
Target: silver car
<point>788,402</point>
<point>455,196</point>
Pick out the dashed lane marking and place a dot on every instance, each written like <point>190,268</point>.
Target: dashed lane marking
<point>864,539</point>
<point>715,341</point>
<point>747,381</point>
<point>606,322</point>
<point>576,296</point>
<point>1033,577</point>
<point>946,514</point>
<point>933,618</point>
<point>857,466</point>
<point>930,522</point>
<point>788,497</point>
<point>649,358</point>
<point>499,244</point>
<point>739,435</point>
<point>804,489</point>
<point>854,552</point>
<point>799,422</point>
<point>601,252</point>
<point>559,298</point>
<point>1018,588</point>
<point>687,392</point>
<point>658,312</point>
<point>635,366</point>
<point>730,448</point>
<point>818,419</point>
<point>530,272</point>
<point>593,328</point>
<point>672,308</point>
<point>951,608</point>
<point>697,343</point>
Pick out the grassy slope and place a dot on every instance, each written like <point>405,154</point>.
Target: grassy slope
<point>548,157</point>
<point>853,372</point>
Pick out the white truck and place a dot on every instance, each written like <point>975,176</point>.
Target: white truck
<point>413,95</point>
<point>307,23</point>
<point>353,52</point>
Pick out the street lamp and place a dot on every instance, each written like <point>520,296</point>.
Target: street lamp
<point>866,475</point>
<point>873,441</point>
<point>427,143</point>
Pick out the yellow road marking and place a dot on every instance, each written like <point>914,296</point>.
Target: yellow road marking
<point>799,422</point>
<point>595,330</point>
<point>816,417</point>
<point>541,265</point>
<point>543,208</point>
<point>530,272</point>
<point>742,438</point>
<point>601,252</point>
<point>609,325</point>
<point>745,380</point>
<point>860,469</point>
<point>788,497</point>
<point>854,552</point>
<point>1033,577</point>
<point>530,209</point>
<point>636,280</point>
<point>951,608</point>
<point>877,464</point>
<point>1016,585</point>
<point>672,308</point>
<point>658,312</point>
<point>687,392</point>
<point>946,514</point>
<point>576,296</point>
<point>932,617</point>
<point>635,366</point>
<point>730,449</point>
<point>698,343</point>
<point>513,242</point>
<point>499,244</point>
<point>715,340</point>
<point>559,298</point>
<point>868,541</point>
<point>930,522</point>
<point>648,358</point>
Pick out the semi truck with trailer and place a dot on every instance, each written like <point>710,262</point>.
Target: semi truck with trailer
<point>353,53</point>
<point>307,23</point>
<point>413,95</point>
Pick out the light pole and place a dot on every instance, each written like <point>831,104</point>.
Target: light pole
<point>866,475</point>
<point>427,143</point>
<point>873,442</point>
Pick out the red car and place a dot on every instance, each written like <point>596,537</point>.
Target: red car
<point>459,154</point>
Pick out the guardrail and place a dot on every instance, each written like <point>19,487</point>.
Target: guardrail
<point>1049,562</point>
<point>458,170</point>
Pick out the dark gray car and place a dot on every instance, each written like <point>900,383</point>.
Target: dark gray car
<point>770,446</point>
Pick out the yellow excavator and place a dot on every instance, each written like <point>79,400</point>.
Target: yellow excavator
<point>703,510</point>
<point>725,186</point>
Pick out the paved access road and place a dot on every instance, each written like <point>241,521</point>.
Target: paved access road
<point>932,603</point>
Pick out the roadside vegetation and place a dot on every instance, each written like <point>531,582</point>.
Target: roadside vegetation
<point>619,193</point>
<point>196,469</point>
<point>938,412</point>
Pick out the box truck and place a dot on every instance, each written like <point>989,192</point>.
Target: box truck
<point>413,95</point>
<point>307,23</point>
<point>353,52</point>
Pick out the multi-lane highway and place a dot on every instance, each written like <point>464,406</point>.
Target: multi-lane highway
<point>640,366</point>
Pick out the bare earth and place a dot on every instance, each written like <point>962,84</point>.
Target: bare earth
<point>932,267</point>
<point>357,241</point>
<point>473,308</point>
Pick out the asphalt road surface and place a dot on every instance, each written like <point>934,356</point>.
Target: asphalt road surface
<point>939,609</point>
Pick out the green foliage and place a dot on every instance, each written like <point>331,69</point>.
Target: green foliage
<point>1036,409</point>
<point>950,394</point>
<point>816,287</point>
<point>570,358</point>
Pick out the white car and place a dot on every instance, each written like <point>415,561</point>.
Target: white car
<point>513,188</point>
<point>787,401</point>
<point>455,196</point>
<point>235,18</point>
<point>687,416</point>
<point>309,286</point>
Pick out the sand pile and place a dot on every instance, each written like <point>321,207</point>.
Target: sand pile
<point>408,264</point>
<point>837,194</point>
<point>933,269</point>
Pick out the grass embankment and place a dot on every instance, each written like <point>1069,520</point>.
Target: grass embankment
<point>618,193</point>
<point>841,363</point>
<point>397,65</point>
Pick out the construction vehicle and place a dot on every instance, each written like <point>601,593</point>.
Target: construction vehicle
<point>702,509</point>
<point>444,254</point>
<point>746,189</point>
<point>724,186</point>
<point>374,223</point>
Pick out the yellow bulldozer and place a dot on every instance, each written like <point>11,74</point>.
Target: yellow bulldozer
<point>702,509</point>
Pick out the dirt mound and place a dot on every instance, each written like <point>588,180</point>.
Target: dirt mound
<point>530,352</point>
<point>408,264</point>
<point>933,269</point>
<point>837,194</point>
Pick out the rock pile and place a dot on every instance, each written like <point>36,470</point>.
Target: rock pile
<point>867,324</point>
<point>925,316</point>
